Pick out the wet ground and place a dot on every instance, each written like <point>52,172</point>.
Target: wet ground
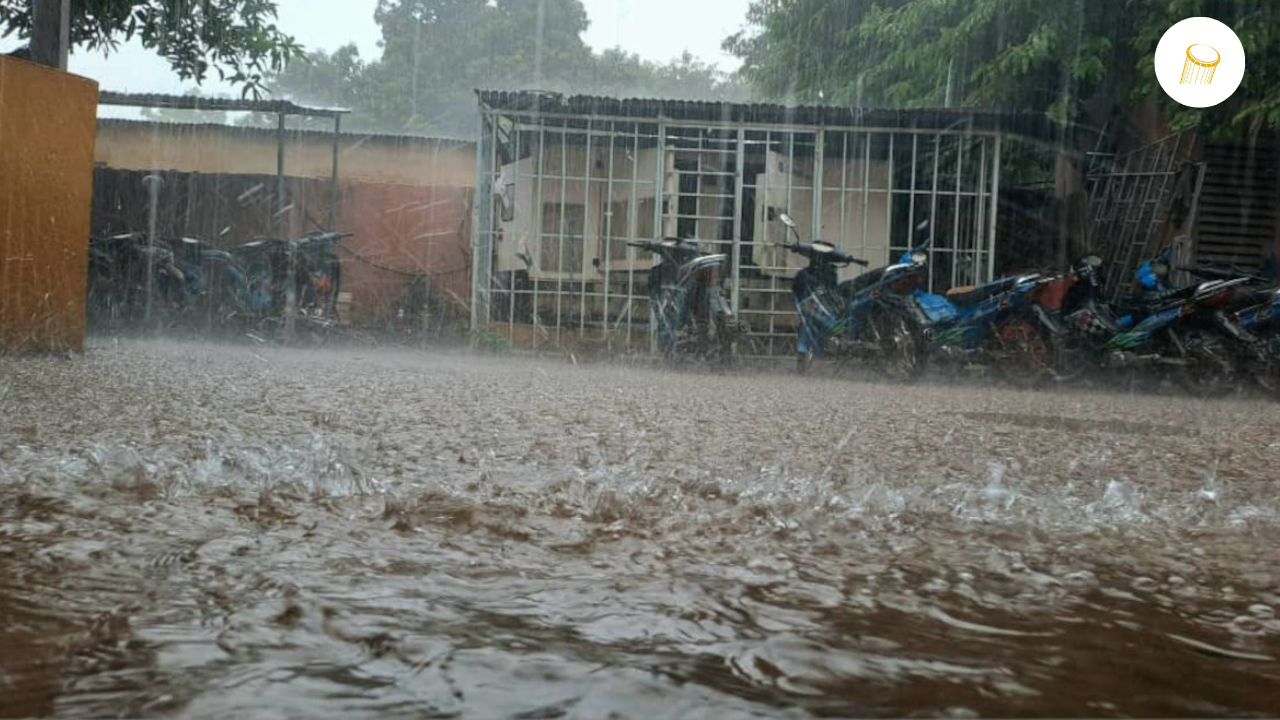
<point>201,532</point>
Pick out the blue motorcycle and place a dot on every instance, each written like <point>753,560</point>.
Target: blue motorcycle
<point>1001,325</point>
<point>852,319</point>
<point>1184,333</point>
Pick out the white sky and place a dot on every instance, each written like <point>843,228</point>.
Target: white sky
<point>658,30</point>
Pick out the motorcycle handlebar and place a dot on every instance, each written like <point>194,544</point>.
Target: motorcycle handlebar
<point>835,257</point>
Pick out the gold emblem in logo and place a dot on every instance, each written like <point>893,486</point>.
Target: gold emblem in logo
<point>1202,61</point>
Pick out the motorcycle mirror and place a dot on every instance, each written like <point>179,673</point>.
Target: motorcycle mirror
<point>786,220</point>
<point>924,225</point>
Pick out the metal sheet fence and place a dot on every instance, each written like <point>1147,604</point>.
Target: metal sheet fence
<point>558,197</point>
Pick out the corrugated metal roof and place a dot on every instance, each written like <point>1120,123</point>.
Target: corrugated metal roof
<point>326,136</point>
<point>195,102</point>
<point>1019,123</point>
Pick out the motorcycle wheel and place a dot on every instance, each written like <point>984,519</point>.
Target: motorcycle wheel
<point>901,359</point>
<point>1210,371</point>
<point>736,342</point>
<point>804,362</point>
<point>1025,353</point>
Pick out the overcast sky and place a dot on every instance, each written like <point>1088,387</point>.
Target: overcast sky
<point>655,29</point>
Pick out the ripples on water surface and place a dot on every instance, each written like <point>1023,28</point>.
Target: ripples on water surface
<point>198,532</point>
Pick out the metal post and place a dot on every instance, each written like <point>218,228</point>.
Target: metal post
<point>153,183</point>
<point>291,276</point>
<point>735,262</point>
<point>333,183</point>
<point>51,32</point>
<point>478,246</point>
<point>995,212</point>
<point>816,184</point>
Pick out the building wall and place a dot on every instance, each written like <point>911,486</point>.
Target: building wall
<point>252,151</point>
<point>565,181</point>
<point>407,200</point>
<point>46,189</point>
<point>859,227</point>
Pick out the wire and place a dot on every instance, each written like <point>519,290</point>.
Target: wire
<point>398,271</point>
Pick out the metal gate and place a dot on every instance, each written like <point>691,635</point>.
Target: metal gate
<point>1131,202</point>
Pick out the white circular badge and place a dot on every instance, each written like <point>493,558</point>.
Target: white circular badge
<point>1200,62</point>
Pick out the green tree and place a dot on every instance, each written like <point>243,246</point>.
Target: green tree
<point>1084,62</point>
<point>237,39</point>
<point>435,53</point>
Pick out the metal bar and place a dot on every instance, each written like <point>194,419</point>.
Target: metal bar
<point>819,149</point>
<point>511,301</point>
<point>933,213</point>
<point>153,183</point>
<point>291,277</point>
<point>888,225</point>
<point>979,237</point>
<point>660,198</point>
<point>485,261</point>
<point>588,165</point>
<point>911,204</point>
<point>866,197</point>
<point>995,212</point>
<point>633,217</point>
<point>763,127</point>
<point>607,235</point>
<point>333,182</point>
<point>735,261</point>
<point>477,230</point>
<point>564,200</point>
<point>955,212</point>
<point>1193,219</point>
<point>534,261</point>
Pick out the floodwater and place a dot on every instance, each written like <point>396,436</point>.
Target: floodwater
<point>189,531</point>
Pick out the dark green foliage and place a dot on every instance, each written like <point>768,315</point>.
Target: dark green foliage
<point>435,53</point>
<point>237,39</point>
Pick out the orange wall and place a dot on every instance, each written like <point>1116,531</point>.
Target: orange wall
<point>47,125</point>
<point>214,149</point>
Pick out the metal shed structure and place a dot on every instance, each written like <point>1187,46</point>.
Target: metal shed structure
<point>564,182</point>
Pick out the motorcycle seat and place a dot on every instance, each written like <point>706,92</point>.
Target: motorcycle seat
<point>971,295</point>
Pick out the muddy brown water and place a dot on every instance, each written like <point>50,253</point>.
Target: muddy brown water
<point>191,531</point>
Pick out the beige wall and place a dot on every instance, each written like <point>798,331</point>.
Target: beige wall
<point>518,236</point>
<point>859,226</point>
<point>251,151</point>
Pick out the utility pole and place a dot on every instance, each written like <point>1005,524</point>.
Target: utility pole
<point>51,32</point>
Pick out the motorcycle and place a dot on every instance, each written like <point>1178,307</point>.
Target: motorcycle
<point>853,318</point>
<point>690,305</point>
<point>217,287</point>
<point>317,273</point>
<point>117,280</point>
<point>1002,323</point>
<point>1184,332</point>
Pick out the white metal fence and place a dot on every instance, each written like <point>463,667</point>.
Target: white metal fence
<point>559,194</point>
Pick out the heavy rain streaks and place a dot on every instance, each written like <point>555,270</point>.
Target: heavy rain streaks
<point>190,530</point>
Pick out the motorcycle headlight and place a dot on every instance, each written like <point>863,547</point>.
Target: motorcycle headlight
<point>919,258</point>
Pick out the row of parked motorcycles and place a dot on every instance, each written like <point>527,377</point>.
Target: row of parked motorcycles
<point>1212,336</point>
<point>186,282</point>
